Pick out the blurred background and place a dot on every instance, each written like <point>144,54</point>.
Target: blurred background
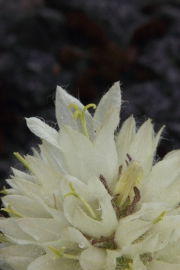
<point>85,46</point>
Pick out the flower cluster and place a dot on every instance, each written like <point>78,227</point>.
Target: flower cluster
<point>92,196</point>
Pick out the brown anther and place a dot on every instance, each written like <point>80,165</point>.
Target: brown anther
<point>98,241</point>
<point>120,170</point>
<point>129,157</point>
<point>103,241</point>
<point>87,236</point>
<point>116,196</point>
<point>116,207</point>
<point>136,199</point>
<point>104,182</point>
<point>94,241</point>
<point>114,242</point>
<point>137,196</point>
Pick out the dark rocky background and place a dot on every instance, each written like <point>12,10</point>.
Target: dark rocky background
<point>85,46</point>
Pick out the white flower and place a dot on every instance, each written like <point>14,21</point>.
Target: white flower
<point>90,199</point>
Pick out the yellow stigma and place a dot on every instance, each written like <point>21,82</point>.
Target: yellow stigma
<point>81,115</point>
<point>132,177</point>
<point>3,238</point>
<point>22,160</point>
<point>160,217</point>
<point>4,191</point>
<point>129,266</point>
<point>59,253</point>
<point>12,211</point>
<point>75,194</point>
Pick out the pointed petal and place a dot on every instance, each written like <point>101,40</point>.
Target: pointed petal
<point>124,140</point>
<point>15,189</point>
<point>42,130</point>
<point>145,246</point>
<point>112,97</point>
<point>41,229</point>
<point>54,157</point>
<point>164,174</point>
<point>48,178</point>
<point>20,256</point>
<point>18,262</point>
<point>157,139</point>
<point>12,231</point>
<point>78,151</point>
<point>46,262</point>
<point>55,212</point>
<point>25,206</point>
<point>69,237</point>
<point>128,231</point>
<point>106,153</point>
<point>64,115</point>
<point>25,176</point>
<point>29,188</point>
<point>143,147</point>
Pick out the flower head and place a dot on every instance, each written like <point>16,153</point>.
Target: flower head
<point>92,197</point>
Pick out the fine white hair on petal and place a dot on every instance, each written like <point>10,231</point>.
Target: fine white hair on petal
<point>112,97</point>
<point>42,130</point>
<point>64,115</point>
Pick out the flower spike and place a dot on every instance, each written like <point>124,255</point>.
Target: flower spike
<point>123,212</point>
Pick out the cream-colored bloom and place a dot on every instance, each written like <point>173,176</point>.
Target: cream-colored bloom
<point>91,197</point>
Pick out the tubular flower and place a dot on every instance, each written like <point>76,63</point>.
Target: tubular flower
<point>92,196</point>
